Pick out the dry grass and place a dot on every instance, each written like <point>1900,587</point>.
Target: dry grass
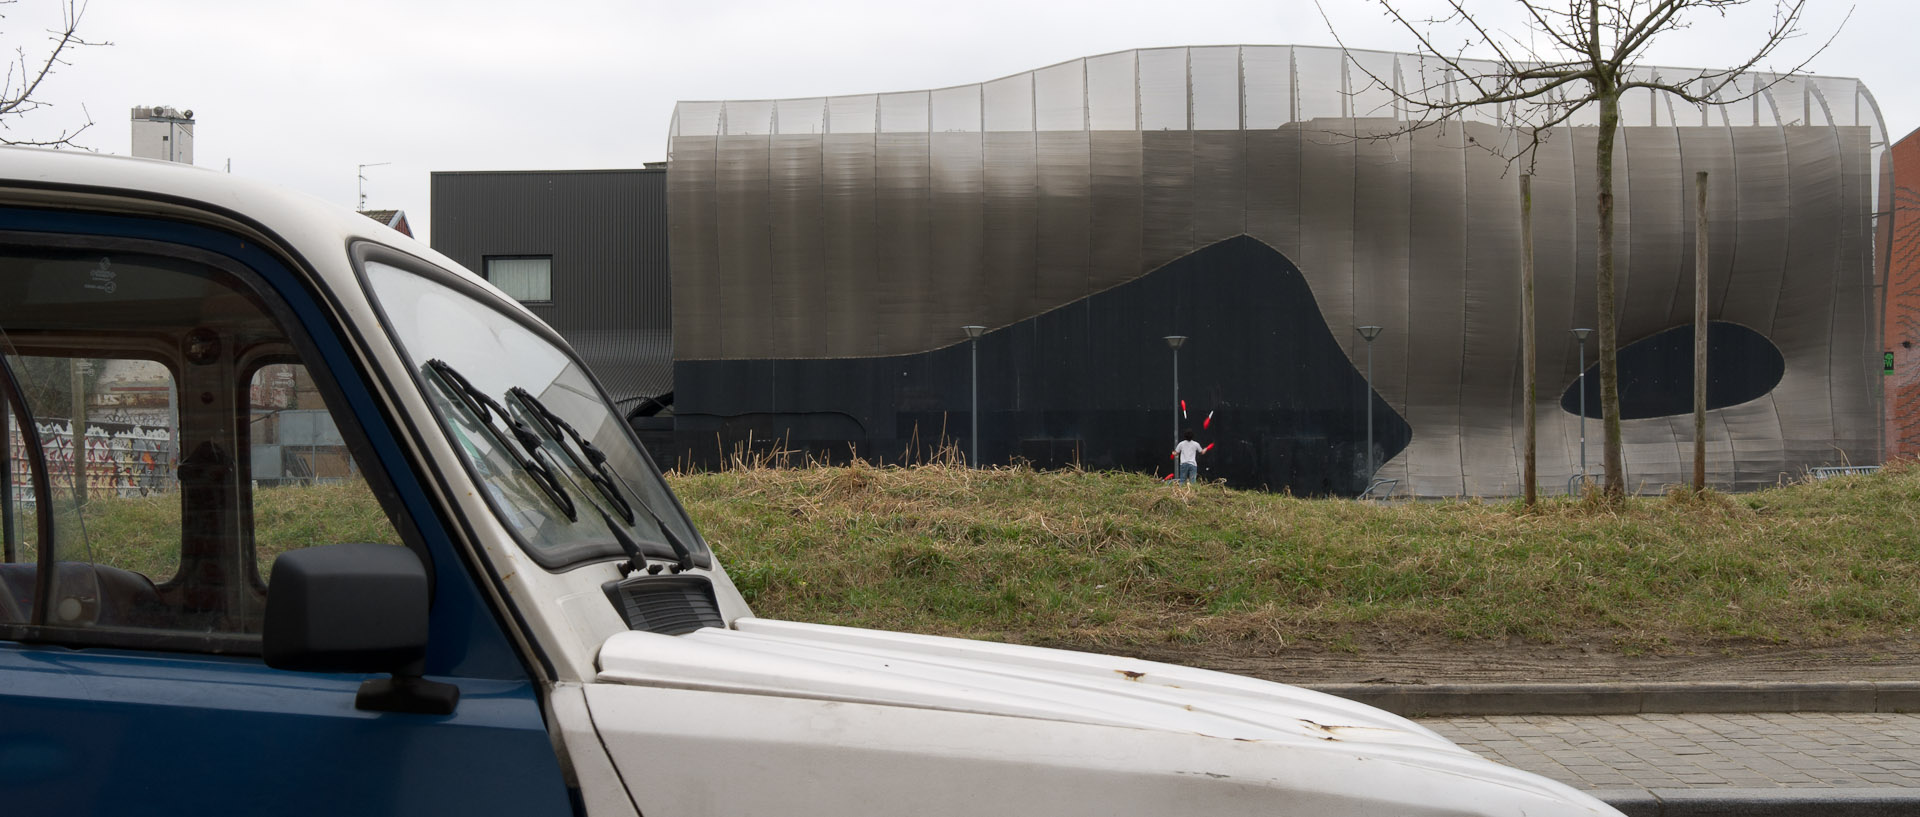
<point>1112,559</point>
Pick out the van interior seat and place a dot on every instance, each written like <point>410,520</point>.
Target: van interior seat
<point>10,613</point>
<point>84,594</point>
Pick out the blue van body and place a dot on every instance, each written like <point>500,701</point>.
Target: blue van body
<point>90,728</point>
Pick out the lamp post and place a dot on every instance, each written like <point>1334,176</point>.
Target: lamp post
<point>1173,342</point>
<point>1369,332</point>
<point>1581,335</point>
<point>973,339</point>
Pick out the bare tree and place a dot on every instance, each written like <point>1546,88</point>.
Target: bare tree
<point>1570,55</point>
<point>29,70</point>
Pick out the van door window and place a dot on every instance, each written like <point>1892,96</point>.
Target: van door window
<point>181,442</point>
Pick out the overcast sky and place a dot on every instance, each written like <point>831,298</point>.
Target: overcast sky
<point>298,93</point>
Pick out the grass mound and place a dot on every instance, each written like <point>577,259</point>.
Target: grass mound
<point>1110,559</point>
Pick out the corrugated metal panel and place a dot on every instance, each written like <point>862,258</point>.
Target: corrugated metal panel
<point>797,242</point>
<point>902,209</point>
<point>1855,352</point>
<point>1659,212</point>
<point>1012,234</point>
<point>694,240</point>
<point>1219,185</point>
<point>745,242</point>
<point>1436,315</point>
<point>606,231</point>
<point>1489,380</point>
<point>1065,221</point>
<point>958,186</point>
<point>1116,205</point>
<point>1555,292</point>
<point>1166,224</point>
<point>847,204</point>
<point>1382,213</point>
<point>1803,325</point>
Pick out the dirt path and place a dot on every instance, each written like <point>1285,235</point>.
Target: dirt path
<point>1448,662</point>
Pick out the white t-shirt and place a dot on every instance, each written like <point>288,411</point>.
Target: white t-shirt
<point>1189,452</point>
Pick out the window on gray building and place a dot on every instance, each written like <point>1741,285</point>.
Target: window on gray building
<point>526,278</point>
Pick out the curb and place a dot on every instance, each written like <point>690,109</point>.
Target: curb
<point>1781,802</point>
<point>1440,700</point>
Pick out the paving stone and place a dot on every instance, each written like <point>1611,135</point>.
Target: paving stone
<point>1720,751</point>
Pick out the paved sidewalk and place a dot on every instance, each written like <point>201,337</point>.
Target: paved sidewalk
<point>1632,698</point>
<point>1839,763</point>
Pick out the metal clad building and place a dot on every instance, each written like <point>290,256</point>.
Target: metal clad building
<point>826,252</point>
<point>600,237</point>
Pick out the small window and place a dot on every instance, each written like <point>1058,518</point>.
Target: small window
<point>527,278</point>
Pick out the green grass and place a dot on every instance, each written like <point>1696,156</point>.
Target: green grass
<point>1111,559</point>
<point>143,534</point>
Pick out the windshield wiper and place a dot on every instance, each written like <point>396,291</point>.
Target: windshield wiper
<point>595,468</point>
<point>637,559</point>
<point>603,477</point>
<point>536,463</point>
<point>484,408</point>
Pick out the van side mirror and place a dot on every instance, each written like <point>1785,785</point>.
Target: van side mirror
<point>355,608</point>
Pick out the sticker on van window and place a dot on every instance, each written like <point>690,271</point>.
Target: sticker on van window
<point>102,277</point>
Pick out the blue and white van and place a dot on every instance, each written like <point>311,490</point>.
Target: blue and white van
<point>302,518</point>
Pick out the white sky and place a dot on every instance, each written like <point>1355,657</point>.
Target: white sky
<point>299,92</point>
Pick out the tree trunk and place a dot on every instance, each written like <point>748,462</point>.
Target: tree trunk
<point>1530,471</point>
<point>1616,483</point>
<point>1700,332</point>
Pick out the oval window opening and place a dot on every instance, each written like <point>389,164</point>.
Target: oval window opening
<point>1656,373</point>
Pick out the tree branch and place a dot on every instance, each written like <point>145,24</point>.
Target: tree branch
<point>21,93</point>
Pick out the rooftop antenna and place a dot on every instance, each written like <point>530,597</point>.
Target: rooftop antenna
<point>362,187</point>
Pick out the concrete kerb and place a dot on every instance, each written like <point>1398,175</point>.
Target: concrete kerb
<point>1729,802</point>
<point>1447,700</point>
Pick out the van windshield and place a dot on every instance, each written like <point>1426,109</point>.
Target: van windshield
<point>559,467</point>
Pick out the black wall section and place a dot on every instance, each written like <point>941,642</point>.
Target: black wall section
<point>1656,373</point>
<point>1091,381</point>
<point>606,231</point>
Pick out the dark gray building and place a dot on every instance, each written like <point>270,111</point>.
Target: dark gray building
<point>586,250</point>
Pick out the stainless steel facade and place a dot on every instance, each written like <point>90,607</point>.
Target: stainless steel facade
<point>606,233</point>
<point>877,225</point>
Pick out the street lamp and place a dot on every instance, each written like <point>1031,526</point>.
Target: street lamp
<point>973,338</point>
<point>1369,332</point>
<point>1173,342</point>
<point>1581,335</point>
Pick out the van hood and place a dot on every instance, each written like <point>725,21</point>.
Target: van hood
<point>847,719</point>
<point>767,657</point>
